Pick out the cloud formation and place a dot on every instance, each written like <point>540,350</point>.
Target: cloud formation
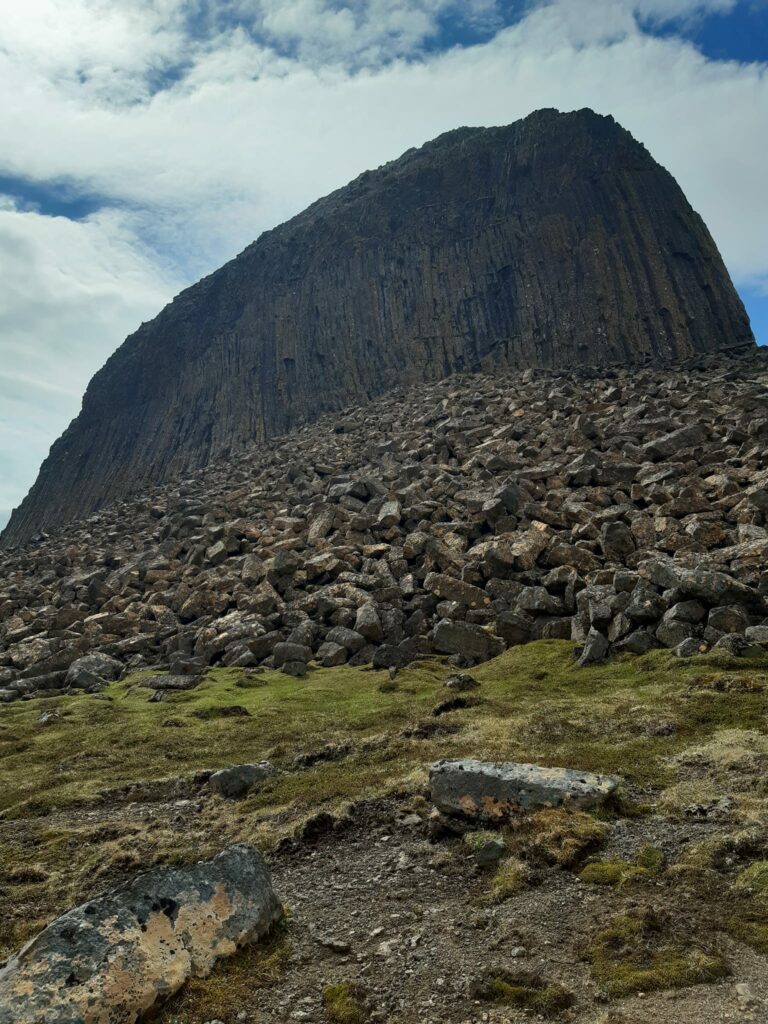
<point>193,125</point>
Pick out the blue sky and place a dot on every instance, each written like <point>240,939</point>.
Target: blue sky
<point>147,141</point>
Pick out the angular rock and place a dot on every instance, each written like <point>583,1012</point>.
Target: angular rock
<point>472,642</point>
<point>93,667</point>
<point>480,790</point>
<point>237,780</point>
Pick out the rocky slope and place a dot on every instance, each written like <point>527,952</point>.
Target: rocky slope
<point>556,242</point>
<point>623,509</point>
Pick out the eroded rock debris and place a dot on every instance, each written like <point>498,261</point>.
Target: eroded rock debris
<point>623,509</point>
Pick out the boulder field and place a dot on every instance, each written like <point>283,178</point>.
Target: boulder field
<point>623,509</point>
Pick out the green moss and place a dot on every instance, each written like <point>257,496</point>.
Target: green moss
<point>635,954</point>
<point>558,837</point>
<point>525,990</point>
<point>649,862</point>
<point>512,877</point>
<point>341,1004</point>
<point>604,872</point>
<point>751,929</point>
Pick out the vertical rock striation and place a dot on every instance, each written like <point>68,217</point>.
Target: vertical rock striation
<point>556,241</point>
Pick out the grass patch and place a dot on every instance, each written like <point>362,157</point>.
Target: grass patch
<point>342,1004</point>
<point>512,876</point>
<point>650,862</point>
<point>523,989</point>
<point>557,837</point>
<point>636,953</point>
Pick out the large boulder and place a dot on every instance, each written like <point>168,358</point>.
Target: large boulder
<point>91,669</point>
<point>112,959</point>
<point>481,790</point>
<point>239,778</point>
<point>471,641</point>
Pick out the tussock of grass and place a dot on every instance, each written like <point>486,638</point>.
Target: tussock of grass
<point>650,862</point>
<point>559,837</point>
<point>512,876</point>
<point>523,989</point>
<point>342,1005</point>
<point>636,953</point>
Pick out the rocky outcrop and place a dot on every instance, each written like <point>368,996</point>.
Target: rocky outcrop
<point>554,242</point>
<point>112,959</point>
<point>457,518</point>
<point>483,791</point>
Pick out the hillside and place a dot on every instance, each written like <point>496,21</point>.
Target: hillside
<point>554,242</point>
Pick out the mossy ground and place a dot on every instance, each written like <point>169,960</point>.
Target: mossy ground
<point>525,990</point>
<point>679,732</point>
<point>639,952</point>
<point>342,1004</point>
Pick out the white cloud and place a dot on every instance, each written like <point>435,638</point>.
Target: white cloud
<point>70,292</point>
<point>273,103</point>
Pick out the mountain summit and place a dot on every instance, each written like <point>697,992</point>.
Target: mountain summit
<point>554,242</point>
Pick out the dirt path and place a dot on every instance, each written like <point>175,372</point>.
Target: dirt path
<point>409,924</point>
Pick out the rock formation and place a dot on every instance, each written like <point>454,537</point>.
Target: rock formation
<point>554,242</point>
<point>622,509</point>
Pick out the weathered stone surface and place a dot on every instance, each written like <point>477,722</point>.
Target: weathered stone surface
<point>237,780</point>
<point>470,641</point>
<point>98,665</point>
<point>112,959</point>
<point>291,329</point>
<point>482,790</point>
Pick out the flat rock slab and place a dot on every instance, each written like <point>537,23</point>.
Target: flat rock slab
<point>110,960</point>
<point>166,682</point>
<point>486,791</point>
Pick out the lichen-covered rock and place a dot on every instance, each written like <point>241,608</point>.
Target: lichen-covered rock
<point>111,960</point>
<point>480,790</point>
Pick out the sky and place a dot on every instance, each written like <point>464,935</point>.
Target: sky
<point>145,142</point>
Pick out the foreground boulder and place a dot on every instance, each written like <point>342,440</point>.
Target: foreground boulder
<point>483,790</point>
<point>110,960</point>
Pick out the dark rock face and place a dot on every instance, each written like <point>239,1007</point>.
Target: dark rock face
<point>554,242</point>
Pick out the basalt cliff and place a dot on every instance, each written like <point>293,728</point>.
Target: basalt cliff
<point>555,242</point>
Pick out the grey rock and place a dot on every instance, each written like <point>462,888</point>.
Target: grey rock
<point>288,652</point>
<point>728,619</point>
<point>463,638</point>
<point>480,790</point>
<point>690,647</point>
<point>115,957</point>
<point>93,668</point>
<point>595,649</point>
<point>240,778</point>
